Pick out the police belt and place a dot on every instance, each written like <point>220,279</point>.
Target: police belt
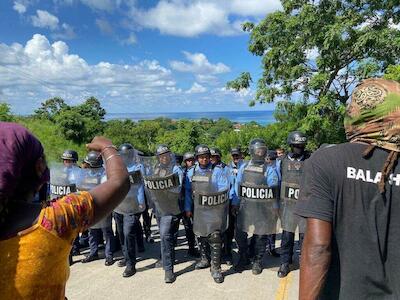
<point>162,183</point>
<point>213,199</point>
<point>62,190</point>
<point>257,192</point>
<point>135,177</point>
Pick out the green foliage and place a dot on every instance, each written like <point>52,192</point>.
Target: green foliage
<point>313,53</point>
<point>5,113</point>
<point>393,73</point>
<point>50,108</point>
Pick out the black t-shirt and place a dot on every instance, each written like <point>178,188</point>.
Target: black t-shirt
<point>340,186</point>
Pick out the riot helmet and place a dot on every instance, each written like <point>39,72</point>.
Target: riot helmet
<point>258,150</point>
<point>202,149</point>
<point>94,159</point>
<point>215,152</point>
<point>161,149</point>
<point>164,155</point>
<point>188,155</point>
<point>127,153</point>
<point>297,138</point>
<point>70,155</point>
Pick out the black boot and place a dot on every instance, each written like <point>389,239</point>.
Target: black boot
<point>129,271</point>
<point>284,270</point>
<point>169,277</point>
<point>215,247</point>
<point>204,261</point>
<point>259,251</point>
<point>243,262</point>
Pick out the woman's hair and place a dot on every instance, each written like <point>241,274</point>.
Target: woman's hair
<point>19,152</point>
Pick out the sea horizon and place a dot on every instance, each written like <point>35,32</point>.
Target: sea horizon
<point>242,117</point>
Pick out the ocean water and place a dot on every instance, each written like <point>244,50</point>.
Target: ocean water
<point>242,117</point>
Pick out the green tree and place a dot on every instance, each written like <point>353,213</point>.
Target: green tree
<point>72,126</point>
<point>316,51</point>
<point>5,113</point>
<point>393,73</point>
<point>51,108</point>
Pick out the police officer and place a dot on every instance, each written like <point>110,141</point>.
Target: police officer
<point>233,168</point>
<point>206,199</point>
<point>256,189</point>
<point>291,168</point>
<point>216,158</point>
<point>271,160</point>
<point>91,177</point>
<point>69,157</point>
<point>126,214</point>
<point>164,182</point>
<point>188,161</point>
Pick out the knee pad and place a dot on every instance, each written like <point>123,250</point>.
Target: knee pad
<point>215,237</point>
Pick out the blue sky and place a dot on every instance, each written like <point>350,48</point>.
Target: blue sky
<point>134,56</point>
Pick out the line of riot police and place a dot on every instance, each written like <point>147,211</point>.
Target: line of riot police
<point>216,203</point>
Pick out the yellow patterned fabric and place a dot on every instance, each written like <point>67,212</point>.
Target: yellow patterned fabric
<point>34,264</point>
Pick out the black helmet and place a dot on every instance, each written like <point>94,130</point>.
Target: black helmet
<point>236,150</point>
<point>94,159</point>
<point>256,144</point>
<point>70,155</point>
<point>188,155</point>
<point>215,151</point>
<point>297,138</point>
<point>124,148</point>
<point>202,149</point>
<point>162,149</point>
<point>178,158</point>
<point>272,155</point>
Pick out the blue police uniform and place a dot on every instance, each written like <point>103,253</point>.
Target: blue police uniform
<point>127,223</point>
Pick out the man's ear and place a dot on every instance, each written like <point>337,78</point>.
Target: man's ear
<point>40,166</point>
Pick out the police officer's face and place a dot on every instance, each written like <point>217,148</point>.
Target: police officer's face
<point>235,158</point>
<point>68,162</point>
<point>165,158</point>
<point>260,152</point>
<point>189,162</point>
<point>203,159</point>
<point>215,159</point>
<point>298,149</point>
<point>280,153</point>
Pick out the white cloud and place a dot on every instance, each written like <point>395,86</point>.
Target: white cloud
<point>106,5</point>
<point>67,33</point>
<point>312,54</point>
<point>201,16</point>
<point>19,7</point>
<point>44,19</point>
<point>196,88</point>
<point>198,64</point>
<point>39,70</point>
<point>104,26</point>
<point>131,40</point>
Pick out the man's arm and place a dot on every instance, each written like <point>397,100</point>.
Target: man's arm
<point>315,258</point>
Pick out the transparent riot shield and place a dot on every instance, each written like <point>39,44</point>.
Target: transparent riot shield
<point>130,205</point>
<point>62,179</point>
<point>211,202</point>
<point>162,183</point>
<point>258,213</point>
<point>89,179</point>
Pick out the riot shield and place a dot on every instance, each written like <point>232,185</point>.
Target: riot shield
<point>211,203</point>
<point>162,183</point>
<point>62,180</point>
<point>290,190</point>
<point>89,179</point>
<point>130,205</point>
<point>258,213</point>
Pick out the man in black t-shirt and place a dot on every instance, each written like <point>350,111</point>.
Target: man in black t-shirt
<point>351,198</point>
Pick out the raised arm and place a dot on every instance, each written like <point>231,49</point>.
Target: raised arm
<point>109,194</point>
